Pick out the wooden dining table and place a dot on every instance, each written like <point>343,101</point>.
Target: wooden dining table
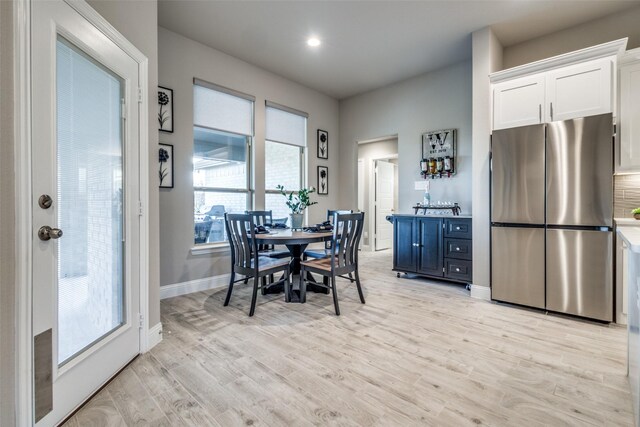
<point>296,242</point>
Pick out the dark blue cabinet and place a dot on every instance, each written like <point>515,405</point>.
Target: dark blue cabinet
<point>433,247</point>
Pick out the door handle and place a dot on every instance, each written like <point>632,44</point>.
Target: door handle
<point>540,112</point>
<point>47,233</point>
<point>551,110</point>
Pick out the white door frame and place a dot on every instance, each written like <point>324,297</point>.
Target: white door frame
<point>22,164</point>
<point>372,197</point>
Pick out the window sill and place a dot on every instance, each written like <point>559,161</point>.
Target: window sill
<point>216,249</point>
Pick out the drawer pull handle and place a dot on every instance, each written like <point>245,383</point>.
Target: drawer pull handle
<point>457,249</point>
<point>457,269</point>
<point>457,228</point>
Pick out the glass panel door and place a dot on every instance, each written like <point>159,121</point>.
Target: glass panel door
<point>90,200</point>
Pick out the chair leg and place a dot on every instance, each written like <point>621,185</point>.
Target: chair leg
<point>246,280</point>
<point>254,296</point>
<point>351,278</point>
<point>335,295</point>
<point>303,286</point>
<point>228,298</point>
<point>359,287</point>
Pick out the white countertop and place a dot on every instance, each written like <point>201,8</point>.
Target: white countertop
<point>631,236</point>
<point>624,222</point>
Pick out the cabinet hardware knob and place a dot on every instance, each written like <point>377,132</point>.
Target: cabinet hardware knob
<point>457,269</point>
<point>457,228</point>
<point>457,249</point>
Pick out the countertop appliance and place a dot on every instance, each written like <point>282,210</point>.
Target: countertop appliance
<point>552,216</point>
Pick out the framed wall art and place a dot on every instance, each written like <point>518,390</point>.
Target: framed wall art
<point>165,109</point>
<point>165,165</point>
<point>323,180</point>
<point>323,144</point>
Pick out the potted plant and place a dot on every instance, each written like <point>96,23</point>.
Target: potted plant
<point>297,202</point>
<point>636,213</point>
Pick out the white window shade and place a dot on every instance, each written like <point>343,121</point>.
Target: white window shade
<point>284,126</point>
<point>222,111</point>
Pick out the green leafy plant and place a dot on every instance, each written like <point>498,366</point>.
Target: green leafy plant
<point>636,211</point>
<point>297,201</point>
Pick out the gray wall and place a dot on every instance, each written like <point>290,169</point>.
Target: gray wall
<point>608,28</point>
<point>432,101</point>
<point>367,153</point>
<point>7,220</point>
<point>182,59</point>
<point>138,22</point>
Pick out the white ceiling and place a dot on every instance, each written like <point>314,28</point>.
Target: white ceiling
<point>366,44</point>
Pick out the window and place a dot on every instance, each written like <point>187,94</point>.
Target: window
<point>286,138</point>
<point>222,135</point>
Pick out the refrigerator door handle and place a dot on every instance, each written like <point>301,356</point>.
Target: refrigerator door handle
<point>551,110</point>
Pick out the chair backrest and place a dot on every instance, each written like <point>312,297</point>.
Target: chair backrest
<point>261,217</point>
<point>242,239</point>
<point>347,230</point>
<point>332,212</point>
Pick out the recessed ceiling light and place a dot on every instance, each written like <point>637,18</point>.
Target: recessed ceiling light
<point>313,41</point>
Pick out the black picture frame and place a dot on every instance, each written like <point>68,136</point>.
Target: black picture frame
<point>165,109</point>
<point>323,180</point>
<point>165,165</point>
<point>323,144</point>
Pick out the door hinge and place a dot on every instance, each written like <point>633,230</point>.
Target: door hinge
<point>443,270</point>
<point>140,211</point>
<point>140,320</point>
<point>139,95</point>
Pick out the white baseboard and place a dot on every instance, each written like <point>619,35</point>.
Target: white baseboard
<point>191,286</point>
<point>155,336</point>
<point>481,292</point>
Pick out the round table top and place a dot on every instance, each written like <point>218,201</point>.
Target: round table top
<point>290,237</point>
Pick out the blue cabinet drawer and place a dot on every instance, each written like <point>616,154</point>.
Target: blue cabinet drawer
<point>457,248</point>
<point>457,228</point>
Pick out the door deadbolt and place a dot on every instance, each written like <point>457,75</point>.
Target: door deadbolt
<point>46,233</point>
<point>45,201</point>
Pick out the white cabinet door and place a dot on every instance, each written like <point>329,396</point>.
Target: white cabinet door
<point>629,124</point>
<point>518,102</point>
<point>579,90</point>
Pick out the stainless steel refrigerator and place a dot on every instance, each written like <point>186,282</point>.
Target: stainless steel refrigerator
<point>552,216</point>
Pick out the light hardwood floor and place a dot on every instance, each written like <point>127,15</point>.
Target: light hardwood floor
<point>418,353</point>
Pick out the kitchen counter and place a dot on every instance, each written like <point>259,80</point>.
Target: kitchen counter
<point>631,236</point>
<point>625,222</point>
<point>631,279</point>
<point>436,216</point>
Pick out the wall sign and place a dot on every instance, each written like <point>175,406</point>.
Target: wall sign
<point>438,154</point>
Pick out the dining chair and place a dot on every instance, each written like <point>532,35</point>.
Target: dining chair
<point>319,252</point>
<point>343,259</point>
<point>246,260</point>
<point>262,218</point>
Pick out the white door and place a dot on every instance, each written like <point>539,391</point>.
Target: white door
<point>580,90</point>
<point>385,173</point>
<point>518,102</point>
<point>86,294</point>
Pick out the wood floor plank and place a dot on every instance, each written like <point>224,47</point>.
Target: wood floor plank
<point>418,353</point>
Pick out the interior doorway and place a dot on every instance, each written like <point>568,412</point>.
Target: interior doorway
<point>378,190</point>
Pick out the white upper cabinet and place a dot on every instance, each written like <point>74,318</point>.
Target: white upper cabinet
<point>629,123</point>
<point>580,90</point>
<point>576,84</point>
<point>518,102</point>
